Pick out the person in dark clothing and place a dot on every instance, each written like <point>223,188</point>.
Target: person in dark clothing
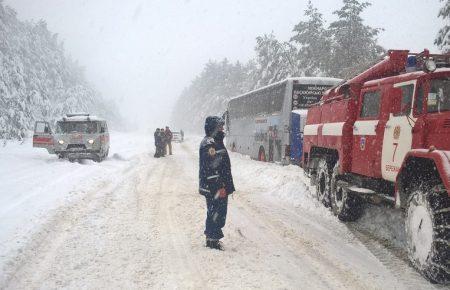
<point>157,143</point>
<point>215,180</point>
<point>162,147</point>
<point>271,141</point>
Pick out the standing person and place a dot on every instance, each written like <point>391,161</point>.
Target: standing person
<point>215,180</point>
<point>169,137</point>
<point>163,142</point>
<point>271,140</point>
<point>157,143</point>
<point>277,141</point>
<point>182,135</point>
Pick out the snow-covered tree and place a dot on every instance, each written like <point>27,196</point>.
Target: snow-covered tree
<point>443,38</point>
<point>37,80</point>
<point>340,50</point>
<point>354,44</point>
<point>314,42</point>
<point>274,60</point>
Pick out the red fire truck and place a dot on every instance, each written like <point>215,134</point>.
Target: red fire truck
<point>384,137</point>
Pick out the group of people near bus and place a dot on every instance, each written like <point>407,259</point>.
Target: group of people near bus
<point>163,142</point>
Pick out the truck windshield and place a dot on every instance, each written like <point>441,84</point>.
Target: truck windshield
<point>439,96</point>
<point>76,127</point>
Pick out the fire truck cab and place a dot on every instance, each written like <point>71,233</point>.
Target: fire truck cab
<point>384,137</point>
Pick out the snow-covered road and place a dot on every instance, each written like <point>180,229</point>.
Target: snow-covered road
<point>138,223</point>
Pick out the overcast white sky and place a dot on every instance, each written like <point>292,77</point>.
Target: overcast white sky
<point>143,53</point>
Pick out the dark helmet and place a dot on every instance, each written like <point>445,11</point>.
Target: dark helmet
<point>212,124</point>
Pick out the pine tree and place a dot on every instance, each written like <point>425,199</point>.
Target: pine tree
<point>443,38</point>
<point>37,80</point>
<point>313,41</point>
<point>354,45</point>
<point>274,60</point>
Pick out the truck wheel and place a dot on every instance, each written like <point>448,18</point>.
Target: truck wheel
<point>97,158</point>
<point>428,232</point>
<point>104,155</point>
<point>323,183</point>
<point>346,206</point>
<point>262,155</point>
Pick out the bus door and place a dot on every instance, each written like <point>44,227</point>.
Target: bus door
<point>296,144</point>
<point>274,134</point>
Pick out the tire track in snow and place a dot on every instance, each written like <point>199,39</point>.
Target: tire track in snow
<point>395,259</point>
<point>176,267</point>
<point>41,250</point>
<point>302,251</point>
<point>36,266</point>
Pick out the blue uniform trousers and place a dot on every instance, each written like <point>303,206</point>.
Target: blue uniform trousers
<point>216,216</point>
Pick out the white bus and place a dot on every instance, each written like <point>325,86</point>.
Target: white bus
<point>259,122</point>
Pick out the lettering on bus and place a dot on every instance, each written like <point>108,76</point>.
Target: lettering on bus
<point>303,96</point>
<point>260,121</point>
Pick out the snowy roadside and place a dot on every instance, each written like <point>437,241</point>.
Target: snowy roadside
<point>34,183</point>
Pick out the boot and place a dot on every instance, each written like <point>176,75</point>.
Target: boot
<point>214,244</point>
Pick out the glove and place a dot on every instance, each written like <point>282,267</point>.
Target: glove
<point>222,193</point>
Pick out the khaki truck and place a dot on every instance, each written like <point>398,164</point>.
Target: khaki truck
<point>76,136</point>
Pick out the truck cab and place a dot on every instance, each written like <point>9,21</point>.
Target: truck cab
<point>76,136</point>
<point>384,137</point>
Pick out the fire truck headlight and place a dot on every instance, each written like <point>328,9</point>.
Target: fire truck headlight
<point>429,65</point>
<point>91,141</point>
<point>61,142</point>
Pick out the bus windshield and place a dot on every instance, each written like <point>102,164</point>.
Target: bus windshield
<point>439,96</point>
<point>76,127</point>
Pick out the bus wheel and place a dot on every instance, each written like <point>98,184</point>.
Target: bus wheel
<point>262,155</point>
<point>428,233</point>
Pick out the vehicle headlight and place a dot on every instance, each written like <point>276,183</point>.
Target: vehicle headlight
<point>91,141</point>
<point>61,142</point>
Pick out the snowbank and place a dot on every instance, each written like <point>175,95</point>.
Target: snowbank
<point>285,183</point>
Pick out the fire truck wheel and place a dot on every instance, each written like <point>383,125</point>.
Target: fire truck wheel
<point>347,207</point>
<point>323,183</point>
<point>428,232</point>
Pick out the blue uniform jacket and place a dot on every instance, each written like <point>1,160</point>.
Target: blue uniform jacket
<point>215,168</point>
